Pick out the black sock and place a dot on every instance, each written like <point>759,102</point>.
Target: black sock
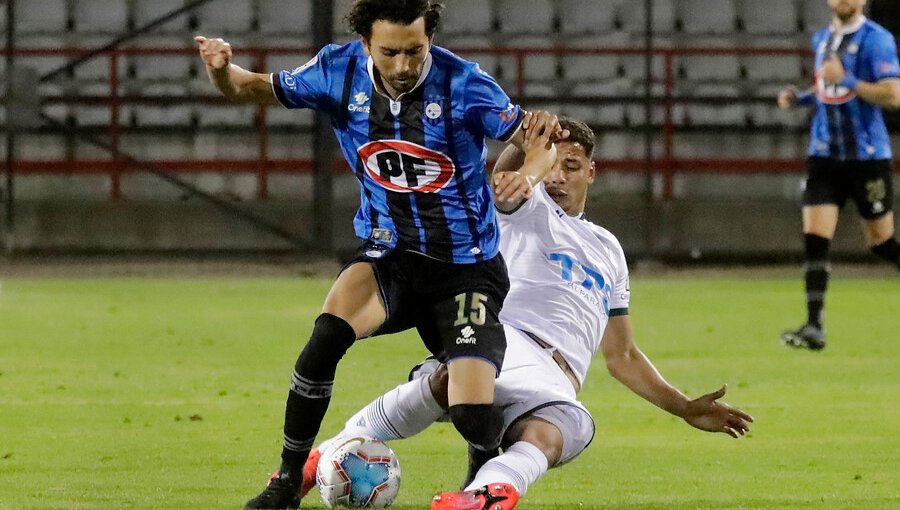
<point>817,269</point>
<point>311,386</point>
<point>889,251</point>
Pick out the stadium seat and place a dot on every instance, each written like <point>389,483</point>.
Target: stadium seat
<point>598,66</point>
<point>489,62</point>
<point>285,16</point>
<point>46,63</point>
<point>724,67</point>
<point>634,16</point>
<point>97,68</point>
<point>147,11</point>
<point>607,113</point>
<point>538,66</point>
<point>707,16</point>
<point>588,16</point>
<point>94,115</point>
<point>783,68</point>
<point>149,115</point>
<point>769,17</point>
<point>526,17</point>
<point>165,67</point>
<point>469,17</point>
<point>41,17</point>
<point>814,15</point>
<point>279,116</point>
<point>226,115</point>
<point>225,17</point>
<point>729,114</point>
<point>101,17</point>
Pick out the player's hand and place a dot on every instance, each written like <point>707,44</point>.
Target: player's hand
<point>707,413</point>
<point>216,53</point>
<point>787,97</point>
<point>833,69</point>
<point>537,122</point>
<point>510,188</point>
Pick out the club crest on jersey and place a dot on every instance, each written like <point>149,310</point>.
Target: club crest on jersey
<point>832,93</point>
<point>433,110</point>
<point>406,167</point>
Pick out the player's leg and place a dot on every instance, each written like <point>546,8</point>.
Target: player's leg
<point>459,323</point>
<point>353,309</point>
<point>874,197</point>
<point>822,200</point>
<point>545,426</point>
<point>553,436</point>
<point>880,238</point>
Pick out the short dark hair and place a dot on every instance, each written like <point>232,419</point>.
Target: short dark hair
<point>365,13</point>
<point>579,132</point>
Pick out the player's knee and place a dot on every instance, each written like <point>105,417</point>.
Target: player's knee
<point>479,424</point>
<point>542,434</point>
<point>330,339</point>
<point>439,382</point>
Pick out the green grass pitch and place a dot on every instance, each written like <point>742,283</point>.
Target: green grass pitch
<point>169,393</point>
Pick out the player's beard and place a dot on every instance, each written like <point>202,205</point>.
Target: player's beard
<point>403,83</point>
<point>845,11</point>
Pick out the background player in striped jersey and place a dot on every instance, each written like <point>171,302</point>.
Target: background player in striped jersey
<point>411,119</point>
<point>569,289</point>
<point>857,74</point>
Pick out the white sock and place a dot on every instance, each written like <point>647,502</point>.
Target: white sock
<point>520,465</point>
<point>401,412</point>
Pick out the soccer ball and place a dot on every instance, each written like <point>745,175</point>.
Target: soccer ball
<point>358,472</point>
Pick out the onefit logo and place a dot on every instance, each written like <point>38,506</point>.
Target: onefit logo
<point>361,107</point>
<point>405,166</point>
<point>467,336</point>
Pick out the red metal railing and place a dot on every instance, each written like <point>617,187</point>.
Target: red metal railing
<point>668,165</point>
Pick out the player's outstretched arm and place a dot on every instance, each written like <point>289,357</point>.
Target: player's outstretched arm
<point>631,367</point>
<point>233,82</point>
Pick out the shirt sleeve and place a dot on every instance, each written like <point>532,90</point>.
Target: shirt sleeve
<point>488,108</point>
<point>883,58</point>
<point>305,86</point>
<point>528,206</point>
<point>621,291</point>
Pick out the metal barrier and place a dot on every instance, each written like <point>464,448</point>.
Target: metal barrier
<point>668,165</point>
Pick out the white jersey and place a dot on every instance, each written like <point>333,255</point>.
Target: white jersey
<point>566,276</point>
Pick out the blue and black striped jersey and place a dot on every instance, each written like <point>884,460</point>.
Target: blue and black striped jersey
<point>845,127</point>
<point>420,160</point>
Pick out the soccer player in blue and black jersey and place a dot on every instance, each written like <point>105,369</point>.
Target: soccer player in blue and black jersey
<point>411,119</point>
<point>857,75</point>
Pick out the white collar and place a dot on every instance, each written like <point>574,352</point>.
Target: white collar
<point>426,68</point>
<point>842,31</point>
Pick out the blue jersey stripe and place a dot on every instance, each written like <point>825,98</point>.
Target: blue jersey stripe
<point>450,136</point>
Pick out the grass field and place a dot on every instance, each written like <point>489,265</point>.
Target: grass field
<point>169,393</point>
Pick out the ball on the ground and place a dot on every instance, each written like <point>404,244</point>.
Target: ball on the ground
<point>358,472</point>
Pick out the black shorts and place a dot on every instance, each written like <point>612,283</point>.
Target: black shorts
<point>454,307</point>
<point>869,183</point>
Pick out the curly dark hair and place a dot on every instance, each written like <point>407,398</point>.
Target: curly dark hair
<point>579,132</point>
<point>365,13</point>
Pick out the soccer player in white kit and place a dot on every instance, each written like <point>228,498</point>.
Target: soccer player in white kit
<point>568,298</point>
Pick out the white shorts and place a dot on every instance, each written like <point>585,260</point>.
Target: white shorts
<point>532,384</point>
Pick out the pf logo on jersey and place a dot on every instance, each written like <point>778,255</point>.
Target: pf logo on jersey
<point>405,166</point>
<point>832,93</point>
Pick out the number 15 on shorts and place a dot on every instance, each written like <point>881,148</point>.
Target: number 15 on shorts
<point>471,309</point>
